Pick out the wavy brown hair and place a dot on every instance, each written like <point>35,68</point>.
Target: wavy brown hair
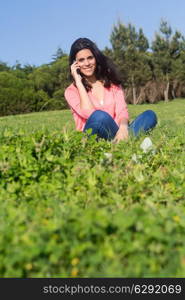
<point>105,71</point>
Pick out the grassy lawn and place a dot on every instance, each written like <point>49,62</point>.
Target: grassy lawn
<point>56,120</point>
<point>72,207</point>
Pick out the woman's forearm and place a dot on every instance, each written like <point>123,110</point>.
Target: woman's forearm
<point>123,124</point>
<point>85,102</point>
<point>122,133</point>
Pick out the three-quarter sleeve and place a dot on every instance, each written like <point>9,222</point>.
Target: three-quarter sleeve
<point>121,110</point>
<point>73,98</point>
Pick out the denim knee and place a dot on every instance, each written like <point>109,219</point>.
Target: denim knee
<point>151,115</point>
<point>99,116</point>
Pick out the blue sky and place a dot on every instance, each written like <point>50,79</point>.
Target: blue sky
<point>32,30</point>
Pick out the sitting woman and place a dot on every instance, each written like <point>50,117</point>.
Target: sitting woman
<point>96,97</point>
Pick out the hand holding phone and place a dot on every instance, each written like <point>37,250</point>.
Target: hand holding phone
<point>75,71</point>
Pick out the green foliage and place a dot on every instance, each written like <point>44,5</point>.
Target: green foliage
<point>166,47</point>
<point>26,89</point>
<point>149,73</point>
<point>130,55</point>
<point>3,66</point>
<point>159,69</point>
<point>13,91</point>
<point>74,207</point>
<point>59,54</point>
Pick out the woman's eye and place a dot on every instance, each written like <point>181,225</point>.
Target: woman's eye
<point>82,59</point>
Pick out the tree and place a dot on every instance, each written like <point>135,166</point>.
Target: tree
<point>43,79</point>
<point>59,54</point>
<point>4,67</point>
<point>60,71</point>
<point>13,97</point>
<point>28,69</point>
<point>166,50</point>
<point>130,53</point>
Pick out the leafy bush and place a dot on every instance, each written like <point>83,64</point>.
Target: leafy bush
<point>74,207</point>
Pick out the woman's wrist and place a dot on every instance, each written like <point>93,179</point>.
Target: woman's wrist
<point>123,128</point>
<point>78,82</point>
<point>123,125</point>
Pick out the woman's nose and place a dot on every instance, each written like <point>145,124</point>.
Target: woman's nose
<point>86,62</point>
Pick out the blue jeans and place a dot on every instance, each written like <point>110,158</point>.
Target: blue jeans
<point>105,127</point>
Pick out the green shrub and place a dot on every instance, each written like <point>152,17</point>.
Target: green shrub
<point>69,209</point>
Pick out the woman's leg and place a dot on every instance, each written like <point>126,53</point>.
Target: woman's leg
<point>102,124</point>
<point>144,122</point>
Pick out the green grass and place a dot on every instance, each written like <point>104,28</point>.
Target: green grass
<point>68,209</point>
<point>56,120</point>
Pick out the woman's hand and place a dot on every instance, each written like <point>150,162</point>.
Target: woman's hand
<point>75,74</point>
<point>122,134</point>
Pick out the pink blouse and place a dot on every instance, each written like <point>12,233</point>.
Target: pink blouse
<point>113,103</point>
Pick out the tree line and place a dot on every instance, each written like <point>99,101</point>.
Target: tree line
<point>149,73</point>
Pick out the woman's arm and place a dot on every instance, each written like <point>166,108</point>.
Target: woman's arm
<point>122,133</point>
<point>122,116</point>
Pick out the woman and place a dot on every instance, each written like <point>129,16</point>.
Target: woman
<point>96,97</point>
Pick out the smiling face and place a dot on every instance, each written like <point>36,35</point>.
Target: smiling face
<point>87,62</point>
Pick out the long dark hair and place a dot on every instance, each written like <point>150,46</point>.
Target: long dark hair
<point>105,68</point>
